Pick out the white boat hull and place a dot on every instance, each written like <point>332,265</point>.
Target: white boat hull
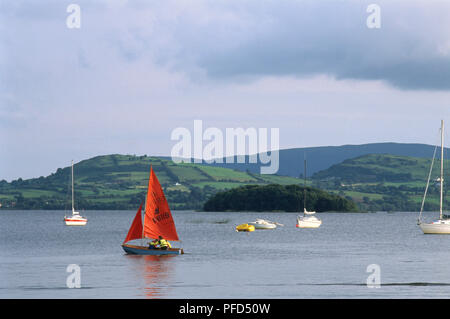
<point>75,221</point>
<point>308,222</point>
<point>263,226</point>
<point>435,228</point>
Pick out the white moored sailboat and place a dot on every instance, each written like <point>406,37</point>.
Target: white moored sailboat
<point>76,219</point>
<point>442,225</point>
<point>308,220</point>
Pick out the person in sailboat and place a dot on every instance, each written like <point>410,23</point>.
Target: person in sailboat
<point>154,244</point>
<point>164,244</point>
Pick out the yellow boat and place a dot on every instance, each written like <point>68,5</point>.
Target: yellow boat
<point>245,227</point>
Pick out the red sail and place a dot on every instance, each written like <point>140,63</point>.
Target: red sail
<point>158,219</point>
<point>135,231</point>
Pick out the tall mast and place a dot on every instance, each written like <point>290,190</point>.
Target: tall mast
<point>145,205</point>
<point>73,209</point>
<point>143,218</point>
<point>304,184</point>
<point>442,167</point>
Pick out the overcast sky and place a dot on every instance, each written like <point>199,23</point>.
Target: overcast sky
<point>136,70</point>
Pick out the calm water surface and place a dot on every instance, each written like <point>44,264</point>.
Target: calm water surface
<point>329,262</point>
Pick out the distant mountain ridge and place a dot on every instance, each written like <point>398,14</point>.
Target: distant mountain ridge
<point>323,157</point>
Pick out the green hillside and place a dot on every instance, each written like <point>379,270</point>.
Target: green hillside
<point>384,182</point>
<point>379,168</point>
<point>323,157</point>
<point>120,182</point>
<point>374,182</point>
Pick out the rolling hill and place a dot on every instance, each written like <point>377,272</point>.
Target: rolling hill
<point>120,181</point>
<point>384,182</point>
<point>321,158</point>
<point>379,168</point>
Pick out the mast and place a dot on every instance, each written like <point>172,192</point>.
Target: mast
<point>442,168</point>
<point>73,207</point>
<point>143,220</point>
<point>145,205</point>
<point>304,185</point>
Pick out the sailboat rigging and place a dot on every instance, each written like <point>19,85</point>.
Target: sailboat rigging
<point>307,220</point>
<point>157,222</point>
<point>76,219</point>
<point>442,225</point>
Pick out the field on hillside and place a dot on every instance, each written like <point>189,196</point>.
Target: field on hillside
<point>374,181</point>
<point>385,182</point>
<point>120,182</point>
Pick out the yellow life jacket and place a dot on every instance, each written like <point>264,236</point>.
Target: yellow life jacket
<point>164,243</point>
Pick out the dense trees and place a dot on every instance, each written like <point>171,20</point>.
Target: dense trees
<point>277,198</point>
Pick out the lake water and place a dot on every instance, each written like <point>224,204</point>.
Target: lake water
<point>329,262</point>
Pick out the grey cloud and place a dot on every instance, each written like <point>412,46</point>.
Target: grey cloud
<point>230,40</point>
<point>304,38</point>
<point>114,76</point>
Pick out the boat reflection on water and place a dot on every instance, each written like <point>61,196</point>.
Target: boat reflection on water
<point>153,273</point>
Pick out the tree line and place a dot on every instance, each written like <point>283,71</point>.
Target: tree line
<point>274,197</point>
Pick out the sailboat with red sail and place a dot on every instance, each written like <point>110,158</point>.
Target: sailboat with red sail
<point>158,221</point>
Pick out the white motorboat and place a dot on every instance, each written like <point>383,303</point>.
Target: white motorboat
<point>76,219</point>
<point>442,225</point>
<point>264,224</point>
